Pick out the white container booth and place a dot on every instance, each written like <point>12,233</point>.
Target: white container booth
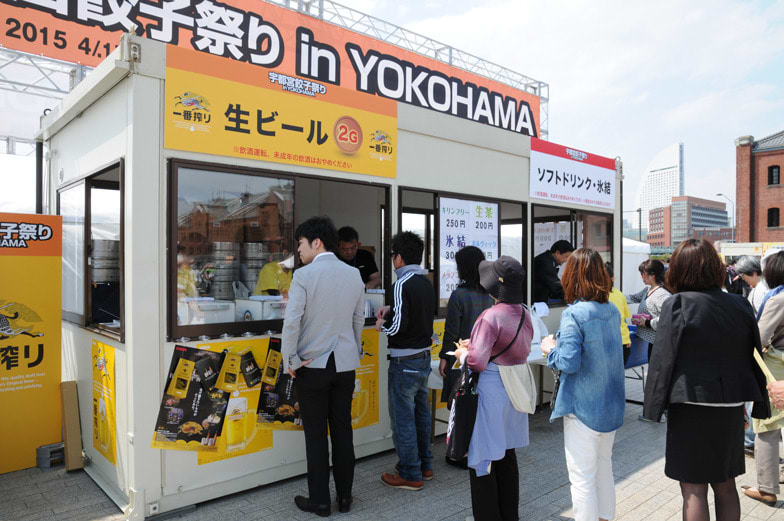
<point>195,228</point>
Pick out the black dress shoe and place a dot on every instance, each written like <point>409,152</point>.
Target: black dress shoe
<point>304,504</point>
<point>344,504</point>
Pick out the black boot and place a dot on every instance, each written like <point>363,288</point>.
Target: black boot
<point>306,505</point>
<point>344,504</point>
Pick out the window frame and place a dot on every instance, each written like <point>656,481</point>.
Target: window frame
<point>89,181</point>
<point>175,331</point>
<point>771,178</point>
<point>71,316</point>
<point>774,211</point>
<point>436,229</point>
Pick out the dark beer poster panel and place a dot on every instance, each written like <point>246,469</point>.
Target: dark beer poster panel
<point>190,417</point>
<point>278,405</point>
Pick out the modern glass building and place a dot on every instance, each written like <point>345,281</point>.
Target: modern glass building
<point>689,213</point>
<point>663,180</point>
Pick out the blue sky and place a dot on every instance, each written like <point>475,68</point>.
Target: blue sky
<point>629,78</point>
<point>626,78</point>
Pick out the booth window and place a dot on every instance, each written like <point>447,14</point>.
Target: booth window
<point>92,211</point>
<point>354,207</point>
<point>594,230</point>
<point>448,222</point>
<point>234,254</point>
<point>550,225</point>
<point>418,215</point>
<point>582,229</point>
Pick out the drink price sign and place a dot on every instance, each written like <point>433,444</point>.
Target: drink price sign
<point>464,223</point>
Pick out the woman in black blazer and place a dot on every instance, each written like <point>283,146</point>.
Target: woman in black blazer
<point>702,371</point>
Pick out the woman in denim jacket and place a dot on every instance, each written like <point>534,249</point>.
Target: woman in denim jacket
<point>591,397</point>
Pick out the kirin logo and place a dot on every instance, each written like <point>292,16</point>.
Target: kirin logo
<point>576,154</point>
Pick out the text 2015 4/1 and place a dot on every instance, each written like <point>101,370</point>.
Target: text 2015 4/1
<point>57,38</point>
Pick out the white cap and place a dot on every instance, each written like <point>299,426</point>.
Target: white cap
<point>288,262</point>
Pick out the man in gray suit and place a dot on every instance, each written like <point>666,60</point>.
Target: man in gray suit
<point>321,348</point>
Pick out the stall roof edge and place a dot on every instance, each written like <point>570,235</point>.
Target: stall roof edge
<point>100,81</point>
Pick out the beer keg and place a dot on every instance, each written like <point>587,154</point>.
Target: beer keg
<point>224,261</point>
<point>254,257</point>
<point>105,261</point>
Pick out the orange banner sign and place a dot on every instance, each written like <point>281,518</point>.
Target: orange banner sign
<point>311,55</point>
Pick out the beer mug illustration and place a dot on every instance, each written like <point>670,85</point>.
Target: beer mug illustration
<point>359,403</point>
<point>103,425</point>
<point>236,420</point>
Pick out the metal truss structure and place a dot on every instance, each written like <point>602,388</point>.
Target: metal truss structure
<point>367,25</point>
<point>31,75</point>
<point>17,146</point>
<point>25,73</point>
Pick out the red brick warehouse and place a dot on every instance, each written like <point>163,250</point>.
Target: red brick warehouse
<point>759,192</point>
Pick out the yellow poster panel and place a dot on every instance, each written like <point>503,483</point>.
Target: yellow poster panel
<point>104,423</point>
<point>777,246</point>
<point>365,402</point>
<point>216,116</point>
<point>240,435</point>
<point>435,350</point>
<point>30,327</point>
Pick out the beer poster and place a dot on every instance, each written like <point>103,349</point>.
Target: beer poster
<point>104,424</point>
<point>30,328</point>
<point>278,404</point>
<point>279,407</point>
<point>190,417</point>
<point>240,435</point>
<point>435,351</point>
<point>364,405</point>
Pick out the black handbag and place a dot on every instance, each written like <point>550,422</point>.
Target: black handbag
<point>464,401</point>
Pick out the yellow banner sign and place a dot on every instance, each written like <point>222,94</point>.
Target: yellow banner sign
<point>30,325</point>
<point>435,351</point>
<point>104,424</point>
<point>229,113</point>
<point>364,405</point>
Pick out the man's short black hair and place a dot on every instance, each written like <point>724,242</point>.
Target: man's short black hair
<point>347,234</point>
<point>609,269</point>
<point>320,227</point>
<point>409,246</point>
<point>562,247</point>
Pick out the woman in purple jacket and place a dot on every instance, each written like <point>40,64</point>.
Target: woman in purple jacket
<point>499,427</point>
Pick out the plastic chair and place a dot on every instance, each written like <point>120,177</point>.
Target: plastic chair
<point>638,357</point>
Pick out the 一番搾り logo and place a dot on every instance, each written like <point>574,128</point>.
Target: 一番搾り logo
<point>192,112</point>
<point>381,146</point>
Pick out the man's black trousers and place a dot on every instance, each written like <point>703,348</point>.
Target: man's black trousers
<point>325,399</point>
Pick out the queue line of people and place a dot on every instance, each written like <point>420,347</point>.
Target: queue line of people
<point>698,323</point>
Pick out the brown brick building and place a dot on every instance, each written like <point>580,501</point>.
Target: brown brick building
<point>659,227</point>
<point>759,192</point>
<point>713,234</point>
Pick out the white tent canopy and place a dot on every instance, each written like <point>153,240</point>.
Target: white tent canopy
<point>634,252</point>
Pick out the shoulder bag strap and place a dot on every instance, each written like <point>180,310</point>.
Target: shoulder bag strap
<point>520,325</point>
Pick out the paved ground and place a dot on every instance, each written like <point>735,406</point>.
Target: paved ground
<point>643,492</point>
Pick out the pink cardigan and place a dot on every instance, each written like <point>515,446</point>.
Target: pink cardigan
<point>493,331</point>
